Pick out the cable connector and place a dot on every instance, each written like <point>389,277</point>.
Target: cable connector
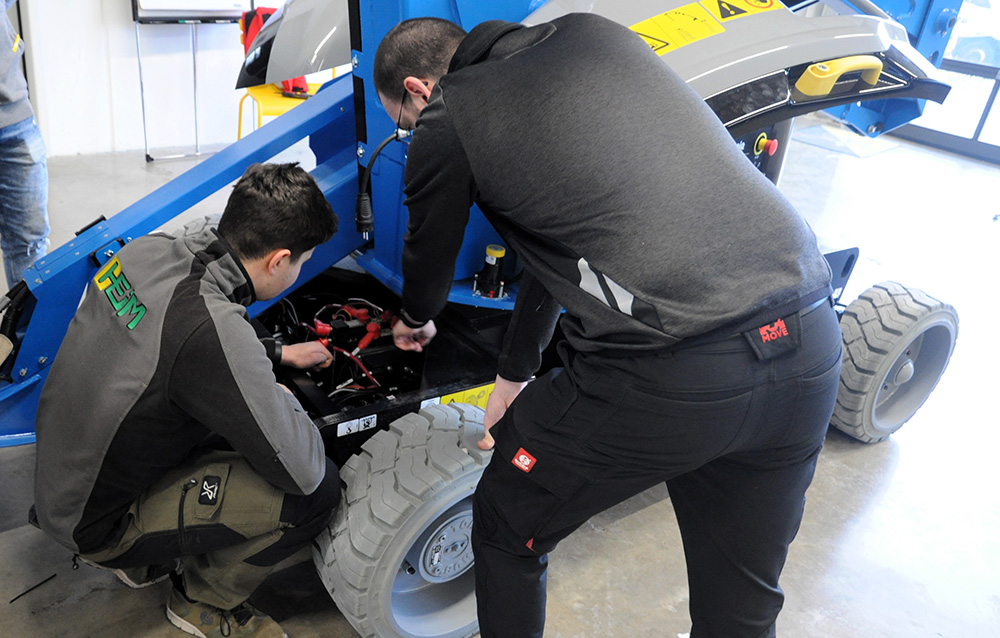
<point>364,219</point>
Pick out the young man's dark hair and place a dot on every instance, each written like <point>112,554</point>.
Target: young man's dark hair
<point>421,47</point>
<point>276,206</point>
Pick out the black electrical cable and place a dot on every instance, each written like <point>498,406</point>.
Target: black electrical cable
<point>14,296</point>
<point>13,302</point>
<point>364,218</point>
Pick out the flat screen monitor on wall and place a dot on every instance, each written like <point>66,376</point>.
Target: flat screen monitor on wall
<point>188,10</point>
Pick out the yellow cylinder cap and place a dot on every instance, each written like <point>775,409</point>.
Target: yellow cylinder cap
<point>495,250</point>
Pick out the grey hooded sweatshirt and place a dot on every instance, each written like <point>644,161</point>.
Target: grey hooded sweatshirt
<point>620,190</point>
<point>14,104</point>
<point>160,358</point>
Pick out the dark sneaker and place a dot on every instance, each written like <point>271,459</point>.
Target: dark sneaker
<point>199,619</point>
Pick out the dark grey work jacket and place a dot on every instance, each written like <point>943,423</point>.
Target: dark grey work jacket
<point>620,190</point>
<point>159,357</point>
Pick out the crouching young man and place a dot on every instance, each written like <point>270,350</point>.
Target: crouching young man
<point>165,445</point>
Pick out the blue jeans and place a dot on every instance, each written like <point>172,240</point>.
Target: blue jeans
<point>24,194</point>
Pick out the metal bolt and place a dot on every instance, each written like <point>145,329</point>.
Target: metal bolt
<point>38,281</point>
<point>354,61</point>
<point>109,253</point>
<point>23,372</point>
<point>42,360</point>
<point>361,151</point>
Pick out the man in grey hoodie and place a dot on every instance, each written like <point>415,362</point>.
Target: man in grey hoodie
<point>24,177</point>
<point>701,346</point>
<point>164,441</point>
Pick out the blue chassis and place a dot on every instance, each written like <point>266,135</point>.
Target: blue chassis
<point>57,282</point>
<point>329,120</point>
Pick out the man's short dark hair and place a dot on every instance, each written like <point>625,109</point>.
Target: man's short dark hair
<point>276,206</point>
<point>421,47</point>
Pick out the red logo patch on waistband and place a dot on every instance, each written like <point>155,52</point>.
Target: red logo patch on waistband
<point>523,460</point>
<point>774,331</point>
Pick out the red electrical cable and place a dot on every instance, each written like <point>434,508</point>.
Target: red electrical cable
<point>360,365</point>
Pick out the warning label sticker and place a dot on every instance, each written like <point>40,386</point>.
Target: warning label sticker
<point>696,21</point>
<point>672,30</point>
<point>357,425</point>
<point>724,10</point>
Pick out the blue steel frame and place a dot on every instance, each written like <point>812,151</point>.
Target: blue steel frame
<point>339,140</point>
<point>57,282</point>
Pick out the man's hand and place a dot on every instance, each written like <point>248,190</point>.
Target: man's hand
<point>311,354</point>
<point>504,393</point>
<point>407,338</point>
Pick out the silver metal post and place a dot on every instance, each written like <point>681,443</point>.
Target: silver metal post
<point>193,36</point>
<point>194,72</point>
<point>142,93</point>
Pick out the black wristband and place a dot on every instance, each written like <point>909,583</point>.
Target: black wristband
<point>408,321</point>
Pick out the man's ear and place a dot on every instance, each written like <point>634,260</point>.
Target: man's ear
<point>273,259</point>
<point>418,87</point>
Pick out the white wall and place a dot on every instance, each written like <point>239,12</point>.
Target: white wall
<point>84,76</point>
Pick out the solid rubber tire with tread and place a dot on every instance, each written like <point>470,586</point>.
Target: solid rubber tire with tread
<point>878,327</point>
<point>400,484</point>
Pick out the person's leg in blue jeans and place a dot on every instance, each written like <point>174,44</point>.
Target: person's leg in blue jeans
<point>24,192</point>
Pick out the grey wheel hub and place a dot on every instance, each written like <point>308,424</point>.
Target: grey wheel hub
<point>447,553</point>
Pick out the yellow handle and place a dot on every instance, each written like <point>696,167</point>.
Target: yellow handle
<point>819,78</point>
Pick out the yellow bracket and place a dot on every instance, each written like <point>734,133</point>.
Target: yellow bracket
<point>819,78</point>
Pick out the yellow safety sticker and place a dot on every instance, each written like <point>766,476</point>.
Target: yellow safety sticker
<point>724,10</point>
<point>676,28</point>
<point>472,396</point>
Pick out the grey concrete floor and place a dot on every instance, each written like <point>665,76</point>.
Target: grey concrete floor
<point>900,539</point>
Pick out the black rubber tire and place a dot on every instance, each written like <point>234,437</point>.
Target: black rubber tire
<point>408,500</point>
<point>897,344</point>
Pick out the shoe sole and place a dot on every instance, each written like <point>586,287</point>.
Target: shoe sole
<point>182,624</point>
<point>123,577</point>
<point>187,627</point>
<point>134,585</point>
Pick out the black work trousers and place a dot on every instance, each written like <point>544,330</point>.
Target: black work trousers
<point>734,437</point>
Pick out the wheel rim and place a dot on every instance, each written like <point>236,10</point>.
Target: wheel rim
<point>912,376</point>
<point>434,589</point>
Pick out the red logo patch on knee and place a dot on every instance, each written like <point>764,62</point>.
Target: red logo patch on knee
<point>523,460</point>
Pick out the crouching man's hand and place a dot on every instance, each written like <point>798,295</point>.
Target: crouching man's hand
<point>311,354</point>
